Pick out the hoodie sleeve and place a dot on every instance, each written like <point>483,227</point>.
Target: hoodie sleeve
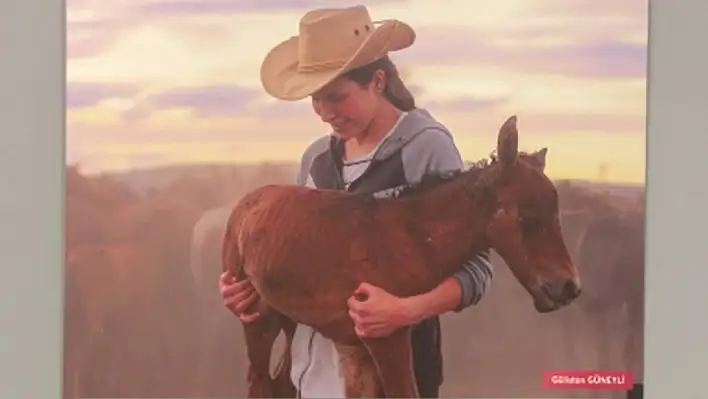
<point>431,151</point>
<point>308,156</point>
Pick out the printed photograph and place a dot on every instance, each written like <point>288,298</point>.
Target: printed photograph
<point>330,199</point>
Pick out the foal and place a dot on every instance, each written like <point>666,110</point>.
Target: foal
<point>306,250</point>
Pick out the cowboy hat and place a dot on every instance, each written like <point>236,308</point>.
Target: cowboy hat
<point>331,42</point>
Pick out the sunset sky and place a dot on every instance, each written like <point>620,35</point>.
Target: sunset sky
<point>152,82</point>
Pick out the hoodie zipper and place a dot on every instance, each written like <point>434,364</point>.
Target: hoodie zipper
<point>307,366</point>
<point>338,167</point>
<point>374,157</point>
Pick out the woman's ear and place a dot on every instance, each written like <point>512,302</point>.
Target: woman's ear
<point>379,80</point>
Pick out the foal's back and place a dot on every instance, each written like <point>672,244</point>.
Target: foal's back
<point>296,207</point>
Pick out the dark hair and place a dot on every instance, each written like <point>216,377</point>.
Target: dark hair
<point>395,90</point>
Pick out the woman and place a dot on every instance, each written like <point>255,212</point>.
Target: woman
<point>379,140</point>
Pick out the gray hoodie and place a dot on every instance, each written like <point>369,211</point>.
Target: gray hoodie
<point>417,145</point>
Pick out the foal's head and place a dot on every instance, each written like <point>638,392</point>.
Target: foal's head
<point>525,228</point>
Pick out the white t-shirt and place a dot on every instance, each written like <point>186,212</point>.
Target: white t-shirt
<point>315,361</point>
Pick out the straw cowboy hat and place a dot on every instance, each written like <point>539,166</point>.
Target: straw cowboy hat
<point>331,42</point>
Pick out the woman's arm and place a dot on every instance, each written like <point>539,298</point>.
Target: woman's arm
<point>465,288</point>
<point>434,151</point>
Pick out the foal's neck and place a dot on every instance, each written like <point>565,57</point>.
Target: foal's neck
<point>451,219</point>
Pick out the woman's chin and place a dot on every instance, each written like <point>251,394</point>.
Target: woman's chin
<point>344,134</point>
<point>345,131</point>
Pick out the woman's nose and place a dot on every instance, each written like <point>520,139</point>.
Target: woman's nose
<point>326,115</point>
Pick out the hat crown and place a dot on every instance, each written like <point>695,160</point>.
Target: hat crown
<point>331,42</point>
<point>331,36</point>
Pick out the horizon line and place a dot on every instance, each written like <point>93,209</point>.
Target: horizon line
<point>124,171</point>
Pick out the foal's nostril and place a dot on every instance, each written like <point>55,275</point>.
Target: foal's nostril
<point>562,290</point>
<point>570,289</point>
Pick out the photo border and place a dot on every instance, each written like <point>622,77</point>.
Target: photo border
<point>32,117</point>
<point>32,114</point>
<point>675,348</point>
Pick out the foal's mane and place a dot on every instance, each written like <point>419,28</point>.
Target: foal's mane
<point>431,180</point>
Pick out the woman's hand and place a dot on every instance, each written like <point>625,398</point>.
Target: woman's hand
<point>237,296</point>
<point>376,313</point>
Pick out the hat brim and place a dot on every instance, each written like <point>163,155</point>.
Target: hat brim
<point>279,71</point>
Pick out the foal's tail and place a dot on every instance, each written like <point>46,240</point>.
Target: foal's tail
<point>215,218</point>
<point>231,256</point>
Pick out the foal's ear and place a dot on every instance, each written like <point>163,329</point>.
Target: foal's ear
<point>539,158</point>
<point>508,142</point>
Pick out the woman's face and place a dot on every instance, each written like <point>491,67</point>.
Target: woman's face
<point>347,106</point>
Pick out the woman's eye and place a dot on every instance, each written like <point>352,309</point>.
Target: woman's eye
<point>529,223</point>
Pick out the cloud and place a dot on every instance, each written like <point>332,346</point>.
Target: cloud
<point>280,109</point>
<point>606,59</point>
<point>91,31</point>
<point>465,104</point>
<point>207,101</point>
<point>90,46</point>
<point>591,58</point>
<point>286,109</point>
<point>167,7</point>
<point>83,95</point>
<point>569,123</point>
<point>137,113</point>
<point>629,9</point>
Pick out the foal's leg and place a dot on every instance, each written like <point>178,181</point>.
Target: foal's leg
<point>282,383</point>
<point>393,358</point>
<point>361,378</point>
<point>260,336</point>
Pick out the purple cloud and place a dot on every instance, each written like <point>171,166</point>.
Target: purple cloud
<point>464,104</point>
<point>287,109</point>
<point>219,99</point>
<point>559,123</point>
<point>582,9</point>
<point>90,38</point>
<point>281,109</point>
<point>605,58</point>
<point>87,47</point>
<point>209,101</point>
<point>242,6</point>
<point>137,113</point>
<point>82,95</point>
